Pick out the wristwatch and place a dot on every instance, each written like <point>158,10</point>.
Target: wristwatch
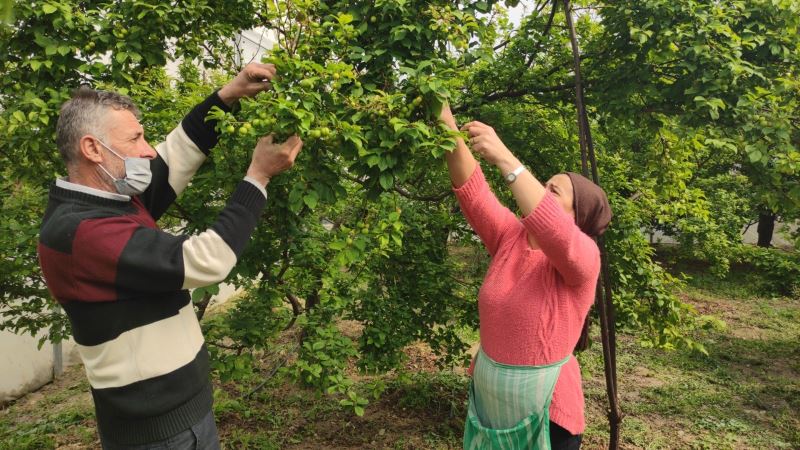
<point>512,176</point>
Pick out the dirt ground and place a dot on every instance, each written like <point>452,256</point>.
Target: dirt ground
<point>745,394</point>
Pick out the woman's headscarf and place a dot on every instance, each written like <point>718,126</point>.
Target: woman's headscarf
<point>592,214</point>
<point>592,211</point>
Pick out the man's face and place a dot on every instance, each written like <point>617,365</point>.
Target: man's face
<point>125,136</point>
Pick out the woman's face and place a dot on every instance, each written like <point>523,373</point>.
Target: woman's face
<point>561,187</point>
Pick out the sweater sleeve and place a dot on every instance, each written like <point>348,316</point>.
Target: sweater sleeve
<point>146,259</point>
<point>574,254</point>
<point>484,212</point>
<point>180,155</point>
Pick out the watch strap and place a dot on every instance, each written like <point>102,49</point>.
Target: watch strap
<point>512,176</point>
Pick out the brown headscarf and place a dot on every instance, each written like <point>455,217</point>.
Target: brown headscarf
<point>592,214</point>
<point>592,211</point>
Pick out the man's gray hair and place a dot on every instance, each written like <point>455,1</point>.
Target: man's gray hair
<point>84,114</point>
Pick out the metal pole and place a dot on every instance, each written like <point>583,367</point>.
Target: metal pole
<point>603,296</point>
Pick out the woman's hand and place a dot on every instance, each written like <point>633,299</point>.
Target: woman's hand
<point>485,142</point>
<point>460,162</point>
<point>446,116</point>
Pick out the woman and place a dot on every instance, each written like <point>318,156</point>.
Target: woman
<point>526,385</point>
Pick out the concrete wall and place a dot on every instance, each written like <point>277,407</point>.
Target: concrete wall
<point>25,367</point>
<point>749,236</point>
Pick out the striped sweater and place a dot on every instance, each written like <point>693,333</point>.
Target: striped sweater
<point>532,303</point>
<point>123,283</point>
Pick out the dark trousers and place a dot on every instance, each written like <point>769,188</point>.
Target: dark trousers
<point>561,439</point>
<point>201,436</point>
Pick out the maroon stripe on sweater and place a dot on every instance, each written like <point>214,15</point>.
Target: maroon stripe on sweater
<point>96,249</point>
<point>55,267</point>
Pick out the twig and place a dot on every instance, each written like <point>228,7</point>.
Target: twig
<point>272,373</point>
<point>237,348</point>
<point>546,32</point>
<point>424,198</point>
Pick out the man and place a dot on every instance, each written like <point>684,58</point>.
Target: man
<point>123,282</point>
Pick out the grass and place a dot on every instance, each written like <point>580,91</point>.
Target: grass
<point>745,394</point>
<point>415,411</point>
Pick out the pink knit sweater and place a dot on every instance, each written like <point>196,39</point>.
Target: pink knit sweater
<point>532,303</point>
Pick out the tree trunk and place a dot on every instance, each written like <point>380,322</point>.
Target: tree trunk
<point>603,299</point>
<point>766,226</point>
<point>202,305</point>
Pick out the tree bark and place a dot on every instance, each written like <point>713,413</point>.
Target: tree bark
<point>202,305</point>
<point>766,227</point>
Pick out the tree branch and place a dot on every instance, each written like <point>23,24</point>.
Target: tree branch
<point>183,213</point>
<point>516,94</point>
<point>502,44</point>
<point>405,192</point>
<point>284,265</point>
<point>425,198</point>
<point>202,305</point>
<point>546,31</point>
<point>296,310</point>
<point>237,348</point>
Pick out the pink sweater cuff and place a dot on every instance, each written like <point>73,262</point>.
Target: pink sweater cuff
<point>547,218</point>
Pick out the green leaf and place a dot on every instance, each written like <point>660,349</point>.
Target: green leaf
<point>386,180</point>
<point>344,19</point>
<point>311,199</point>
<point>47,8</point>
<point>794,195</point>
<point>383,164</point>
<point>716,103</point>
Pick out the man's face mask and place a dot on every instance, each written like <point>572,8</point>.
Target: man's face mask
<point>137,174</point>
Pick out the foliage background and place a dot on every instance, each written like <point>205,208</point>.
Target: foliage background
<point>693,105</point>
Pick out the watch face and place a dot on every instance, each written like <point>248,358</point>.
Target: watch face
<point>511,177</point>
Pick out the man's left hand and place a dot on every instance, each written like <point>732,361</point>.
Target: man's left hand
<point>253,79</point>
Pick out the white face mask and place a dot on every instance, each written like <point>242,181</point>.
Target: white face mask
<point>137,174</point>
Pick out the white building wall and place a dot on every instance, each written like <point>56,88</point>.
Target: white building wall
<point>252,44</point>
<point>25,367</point>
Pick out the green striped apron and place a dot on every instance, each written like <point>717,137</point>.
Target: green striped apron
<point>509,406</point>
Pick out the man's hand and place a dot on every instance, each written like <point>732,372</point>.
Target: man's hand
<point>270,159</point>
<point>253,79</point>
